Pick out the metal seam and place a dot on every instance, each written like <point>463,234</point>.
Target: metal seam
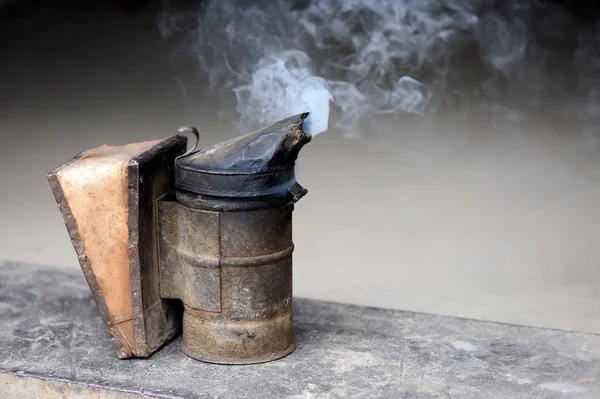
<point>241,261</point>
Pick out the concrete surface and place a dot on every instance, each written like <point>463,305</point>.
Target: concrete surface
<point>55,342</point>
<point>442,215</point>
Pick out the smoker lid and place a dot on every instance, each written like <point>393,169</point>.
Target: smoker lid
<point>256,164</point>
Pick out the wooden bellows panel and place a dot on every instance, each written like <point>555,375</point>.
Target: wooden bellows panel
<point>107,196</point>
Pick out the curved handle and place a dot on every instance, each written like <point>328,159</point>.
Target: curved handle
<point>189,130</point>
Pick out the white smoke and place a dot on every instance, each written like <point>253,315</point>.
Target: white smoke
<point>284,84</point>
<point>392,56</point>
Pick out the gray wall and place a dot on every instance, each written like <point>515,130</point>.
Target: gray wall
<point>442,215</point>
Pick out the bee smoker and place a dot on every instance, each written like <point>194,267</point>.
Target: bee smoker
<point>199,241</point>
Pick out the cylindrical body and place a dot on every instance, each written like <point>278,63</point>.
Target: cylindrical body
<point>237,257</point>
<point>226,244</point>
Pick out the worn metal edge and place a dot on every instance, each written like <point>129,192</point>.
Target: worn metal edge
<point>163,146</point>
<point>26,384</point>
<point>166,145</point>
<point>133,250</point>
<point>135,276</point>
<point>120,345</point>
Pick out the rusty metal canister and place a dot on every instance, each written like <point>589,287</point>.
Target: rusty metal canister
<point>226,245</point>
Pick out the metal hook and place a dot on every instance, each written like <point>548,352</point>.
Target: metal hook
<point>189,130</point>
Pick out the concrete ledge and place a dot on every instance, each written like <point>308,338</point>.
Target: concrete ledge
<point>52,342</point>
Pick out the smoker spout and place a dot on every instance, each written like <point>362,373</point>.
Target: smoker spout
<point>256,164</point>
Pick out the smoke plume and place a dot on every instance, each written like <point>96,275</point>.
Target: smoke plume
<point>394,57</point>
<point>281,85</point>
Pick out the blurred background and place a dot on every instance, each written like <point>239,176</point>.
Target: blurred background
<point>471,189</point>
